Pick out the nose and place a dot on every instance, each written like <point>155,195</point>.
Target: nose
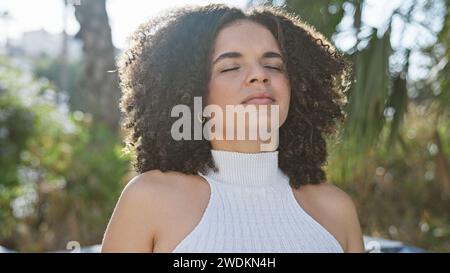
<point>257,75</point>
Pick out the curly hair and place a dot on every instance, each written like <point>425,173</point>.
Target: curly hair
<point>168,63</point>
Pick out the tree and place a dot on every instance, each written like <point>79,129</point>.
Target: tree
<point>99,85</point>
<point>60,173</point>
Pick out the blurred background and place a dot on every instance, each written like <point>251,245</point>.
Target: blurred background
<point>62,165</point>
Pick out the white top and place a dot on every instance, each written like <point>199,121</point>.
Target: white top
<point>252,208</point>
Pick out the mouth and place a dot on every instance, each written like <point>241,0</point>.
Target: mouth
<point>259,101</point>
<point>259,98</point>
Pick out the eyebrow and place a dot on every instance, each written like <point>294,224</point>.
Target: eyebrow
<point>268,54</point>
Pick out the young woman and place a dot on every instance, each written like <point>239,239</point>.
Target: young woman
<point>230,195</point>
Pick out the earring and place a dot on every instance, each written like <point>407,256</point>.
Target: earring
<point>200,117</point>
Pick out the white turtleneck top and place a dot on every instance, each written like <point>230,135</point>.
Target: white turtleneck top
<point>252,208</point>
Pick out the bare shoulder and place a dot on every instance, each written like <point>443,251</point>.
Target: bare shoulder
<point>335,209</point>
<point>134,221</point>
<point>328,196</point>
<point>145,185</point>
<point>155,186</point>
<point>146,190</point>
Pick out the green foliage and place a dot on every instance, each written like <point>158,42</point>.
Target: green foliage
<point>63,171</point>
<point>16,127</point>
<point>398,190</point>
<point>324,15</point>
<point>52,69</point>
<point>367,99</point>
<point>392,152</point>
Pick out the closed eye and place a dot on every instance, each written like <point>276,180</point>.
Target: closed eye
<point>230,69</point>
<point>267,66</point>
<point>273,67</point>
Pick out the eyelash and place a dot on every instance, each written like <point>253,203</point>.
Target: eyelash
<point>236,68</point>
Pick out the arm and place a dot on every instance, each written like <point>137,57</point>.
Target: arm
<point>131,227</point>
<point>341,205</point>
<point>334,209</point>
<point>355,241</point>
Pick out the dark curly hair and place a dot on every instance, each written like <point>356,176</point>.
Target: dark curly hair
<point>168,63</point>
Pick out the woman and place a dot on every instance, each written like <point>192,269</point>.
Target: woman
<point>230,195</point>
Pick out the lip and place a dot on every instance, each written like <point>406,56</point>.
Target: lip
<point>259,101</point>
<point>259,98</point>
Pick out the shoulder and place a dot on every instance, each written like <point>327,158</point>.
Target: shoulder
<point>143,189</point>
<point>145,184</point>
<point>157,191</point>
<point>153,184</point>
<point>135,219</point>
<point>335,209</point>
<point>329,196</point>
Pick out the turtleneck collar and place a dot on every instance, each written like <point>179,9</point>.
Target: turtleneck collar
<point>246,169</point>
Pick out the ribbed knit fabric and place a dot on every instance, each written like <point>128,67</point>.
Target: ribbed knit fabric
<point>252,208</point>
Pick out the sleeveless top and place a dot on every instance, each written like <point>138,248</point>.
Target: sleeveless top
<point>252,208</point>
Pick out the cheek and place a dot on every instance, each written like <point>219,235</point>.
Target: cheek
<point>284,96</point>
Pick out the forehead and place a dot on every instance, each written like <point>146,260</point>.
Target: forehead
<point>245,36</point>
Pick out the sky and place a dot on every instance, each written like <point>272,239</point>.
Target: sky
<point>124,16</point>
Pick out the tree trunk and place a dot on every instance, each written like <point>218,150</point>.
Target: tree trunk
<point>99,90</point>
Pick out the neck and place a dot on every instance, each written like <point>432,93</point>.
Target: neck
<point>246,169</point>
<point>244,146</point>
